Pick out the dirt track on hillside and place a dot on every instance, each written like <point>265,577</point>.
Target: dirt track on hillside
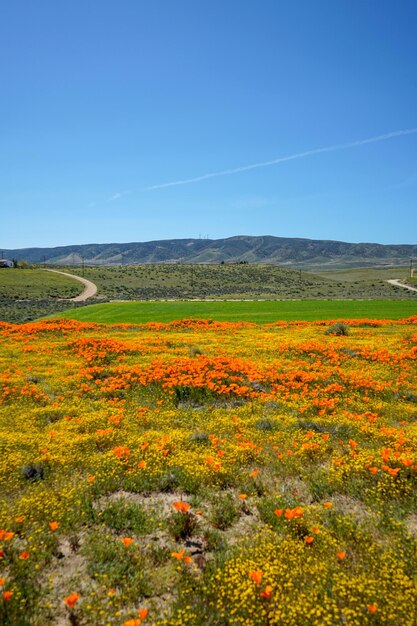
<point>397,283</point>
<point>89,291</point>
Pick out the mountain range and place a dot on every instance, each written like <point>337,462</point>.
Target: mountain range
<point>291,252</point>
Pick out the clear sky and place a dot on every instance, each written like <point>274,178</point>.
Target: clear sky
<point>104,102</point>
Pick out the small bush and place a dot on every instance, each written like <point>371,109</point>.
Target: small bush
<point>194,351</point>
<point>224,512</point>
<point>265,425</point>
<point>124,517</point>
<point>33,472</point>
<point>181,525</point>
<point>200,438</point>
<point>339,329</point>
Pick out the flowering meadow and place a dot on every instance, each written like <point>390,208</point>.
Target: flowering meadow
<point>201,472</point>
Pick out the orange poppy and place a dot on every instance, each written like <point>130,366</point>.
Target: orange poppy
<point>309,539</point>
<point>256,576</point>
<point>132,622</point>
<point>178,555</point>
<point>71,600</point>
<point>126,541</point>
<point>372,608</point>
<point>278,512</point>
<point>7,595</point>
<point>23,556</point>
<point>267,593</point>
<point>328,505</point>
<point>53,525</point>
<point>254,473</point>
<point>143,613</point>
<point>341,555</point>
<point>181,506</point>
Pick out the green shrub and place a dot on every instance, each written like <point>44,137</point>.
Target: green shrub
<point>339,329</point>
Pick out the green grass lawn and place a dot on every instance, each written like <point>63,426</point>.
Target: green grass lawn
<point>260,312</point>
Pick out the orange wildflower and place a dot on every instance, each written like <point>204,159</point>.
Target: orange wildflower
<point>91,479</point>
<point>181,556</point>
<point>142,464</point>
<point>53,526</point>
<point>254,473</point>
<point>126,541</point>
<point>278,512</point>
<point>341,555</point>
<point>71,600</point>
<point>122,452</point>
<point>243,496</point>
<point>23,556</point>
<point>373,469</point>
<point>7,595</point>
<point>20,519</point>
<point>181,506</point>
<point>372,608</point>
<point>309,539</point>
<point>393,471</point>
<point>2,581</point>
<point>291,514</point>
<point>6,535</point>
<point>132,622</point>
<point>328,505</point>
<point>143,613</point>
<point>266,594</point>
<point>178,555</point>
<point>256,575</point>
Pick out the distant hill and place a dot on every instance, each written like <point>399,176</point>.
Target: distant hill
<point>291,252</point>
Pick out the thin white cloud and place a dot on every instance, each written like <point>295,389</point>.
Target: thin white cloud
<point>292,157</point>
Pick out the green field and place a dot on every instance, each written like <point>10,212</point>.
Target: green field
<point>34,283</point>
<point>235,281</point>
<point>261,312</point>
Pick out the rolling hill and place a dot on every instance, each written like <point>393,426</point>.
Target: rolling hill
<point>292,252</point>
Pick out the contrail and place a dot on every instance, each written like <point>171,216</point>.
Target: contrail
<point>291,157</point>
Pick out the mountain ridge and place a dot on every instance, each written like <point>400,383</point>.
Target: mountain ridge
<point>289,251</point>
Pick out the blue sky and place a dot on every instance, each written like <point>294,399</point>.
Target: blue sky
<point>105,102</point>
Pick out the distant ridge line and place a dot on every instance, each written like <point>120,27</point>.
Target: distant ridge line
<point>289,251</point>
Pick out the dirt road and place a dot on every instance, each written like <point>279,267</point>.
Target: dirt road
<point>397,283</point>
<point>89,291</point>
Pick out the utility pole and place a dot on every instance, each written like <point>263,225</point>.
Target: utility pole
<point>411,268</point>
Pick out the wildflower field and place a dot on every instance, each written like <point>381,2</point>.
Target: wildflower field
<point>200,472</point>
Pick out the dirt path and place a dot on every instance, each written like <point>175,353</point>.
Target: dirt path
<point>89,291</point>
<point>397,283</point>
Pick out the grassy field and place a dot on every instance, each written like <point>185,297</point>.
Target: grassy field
<point>181,281</point>
<point>28,294</point>
<point>35,283</point>
<point>260,312</point>
<point>191,473</point>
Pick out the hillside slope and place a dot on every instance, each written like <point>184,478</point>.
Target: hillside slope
<point>293,252</point>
